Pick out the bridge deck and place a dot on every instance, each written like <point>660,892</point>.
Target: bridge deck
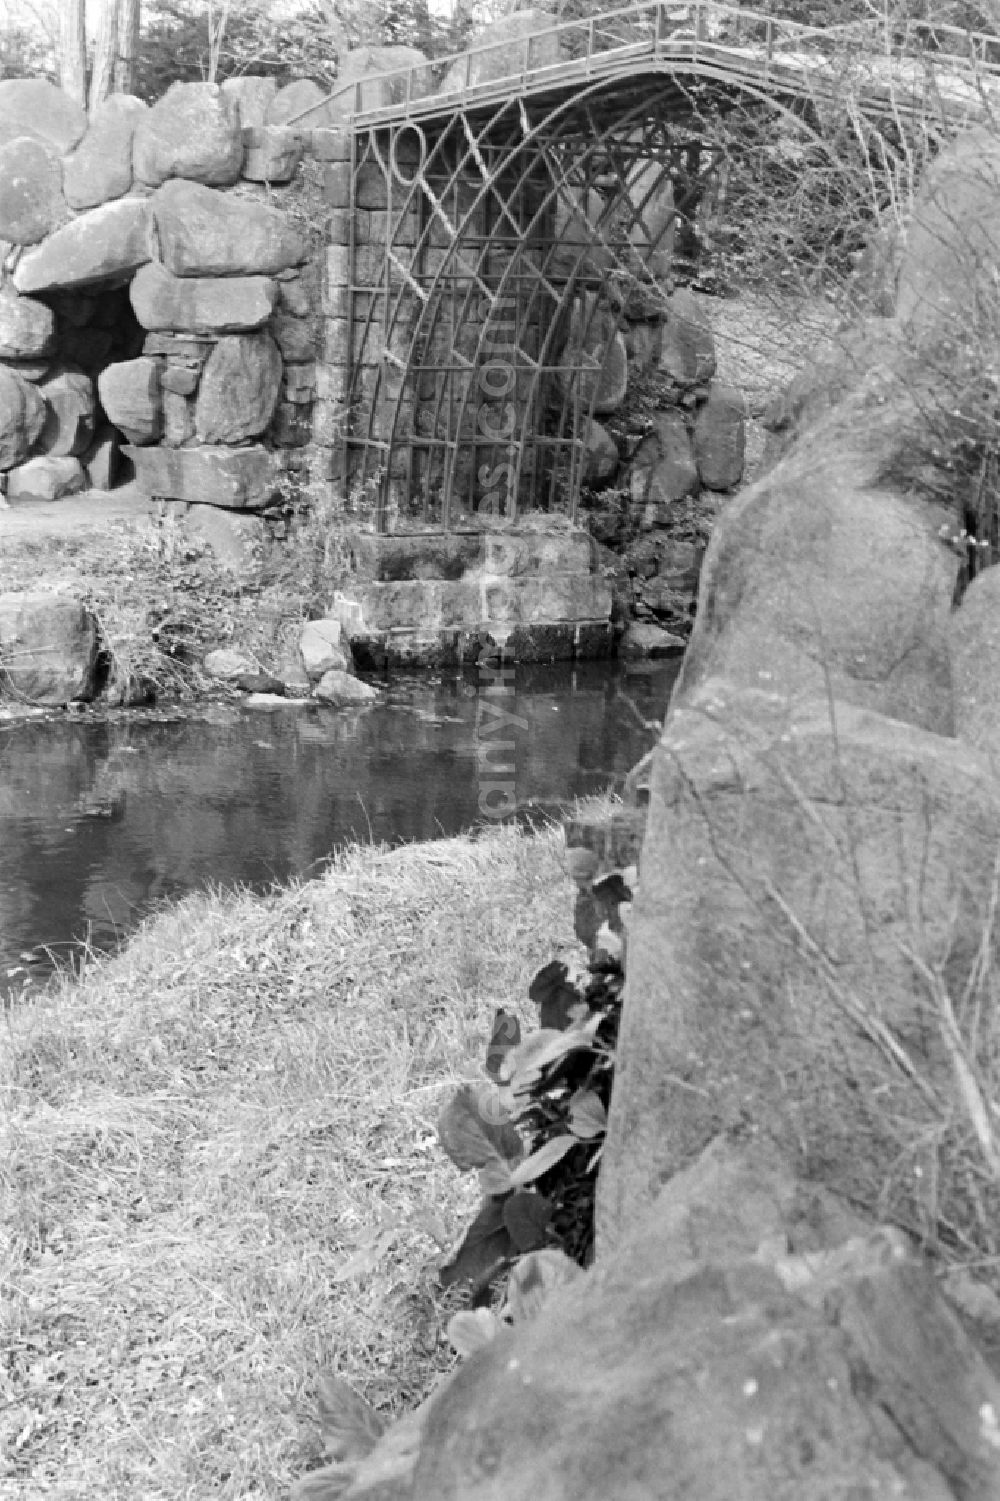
<point>727,45</point>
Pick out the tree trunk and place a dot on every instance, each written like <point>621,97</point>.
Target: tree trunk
<point>73,51</point>
<point>105,51</point>
<point>128,33</point>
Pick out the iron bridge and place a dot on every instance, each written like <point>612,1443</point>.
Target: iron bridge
<point>516,211</point>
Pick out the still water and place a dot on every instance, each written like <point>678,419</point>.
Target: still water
<point>101,820</point>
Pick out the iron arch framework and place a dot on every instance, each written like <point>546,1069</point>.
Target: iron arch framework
<point>505,239</point>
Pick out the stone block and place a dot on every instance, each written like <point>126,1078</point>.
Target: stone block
<point>101,461</point>
<point>48,477</point>
<point>31,197</point>
<point>720,438</point>
<point>178,419</point>
<point>48,648</point>
<point>131,398</point>
<point>271,154</point>
<point>330,144</point>
<point>235,478</point>
<point>292,426</point>
<point>105,244</point>
<point>337,185</point>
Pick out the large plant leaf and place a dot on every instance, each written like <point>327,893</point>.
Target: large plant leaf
<point>527,1216</point>
<point>505,1036</point>
<point>484,1247</point>
<point>541,1050</point>
<point>548,1154</point>
<point>494,1179</point>
<point>612,889</point>
<point>587,1115</point>
<point>555,995</point>
<point>473,1129</point>
<point>349,1425</point>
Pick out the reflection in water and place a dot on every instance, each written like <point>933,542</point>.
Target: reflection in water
<point>99,820</point>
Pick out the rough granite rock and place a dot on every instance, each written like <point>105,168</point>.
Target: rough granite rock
<point>130,395</point>
<point>239,389</point>
<point>27,327</point>
<point>687,354</point>
<point>795,597</point>
<point>271,153</point>
<point>201,304</point>
<point>31,197</point>
<point>70,412</point>
<point>22,416</point>
<point>780,831</point>
<point>203,232</point>
<point>664,469</point>
<point>48,648</point>
<point>48,477</point>
<point>33,106</point>
<point>323,649</point>
<point>505,46</point>
<point>107,244</point>
<point>234,478</point>
<point>292,100</point>
<point>343,690</point>
<point>100,169</point>
<point>194,131</point>
<point>720,438</point>
<point>252,93</point>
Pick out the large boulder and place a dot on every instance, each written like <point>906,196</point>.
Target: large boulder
<point>359,87</point>
<point>201,304</point>
<point>952,236</point>
<point>27,327</point>
<point>239,389</point>
<point>271,153</point>
<point>131,397</point>
<point>31,197</point>
<point>593,365</point>
<point>815,877</point>
<point>22,416</point>
<point>70,412</point>
<point>720,438</point>
<point>819,583</point>
<point>664,470</point>
<point>35,107</point>
<point>100,168</point>
<point>687,353</point>
<point>238,479</point>
<point>505,48</point>
<point>252,93</point>
<point>206,233</point>
<point>105,245</point>
<point>193,131</point>
<point>48,648</point>
<point>48,477</point>
<point>974,647</point>
<point>293,100</point>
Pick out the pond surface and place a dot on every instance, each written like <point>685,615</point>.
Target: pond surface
<point>101,820</point>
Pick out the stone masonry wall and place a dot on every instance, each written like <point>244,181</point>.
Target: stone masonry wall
<point>153,289</point>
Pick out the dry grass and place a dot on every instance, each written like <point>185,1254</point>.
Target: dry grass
<point>162,599</point>
<point>219,1167</point>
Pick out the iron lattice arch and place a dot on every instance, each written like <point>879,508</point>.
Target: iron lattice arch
<point>502,249</point>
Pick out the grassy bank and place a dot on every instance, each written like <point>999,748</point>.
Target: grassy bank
<point>219,1169</point>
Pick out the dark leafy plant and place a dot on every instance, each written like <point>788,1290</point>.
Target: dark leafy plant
<point>534,1131</point>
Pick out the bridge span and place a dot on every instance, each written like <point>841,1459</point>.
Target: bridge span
<point>512,213</point>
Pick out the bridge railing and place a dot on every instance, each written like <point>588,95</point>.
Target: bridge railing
<point>701,29</point>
